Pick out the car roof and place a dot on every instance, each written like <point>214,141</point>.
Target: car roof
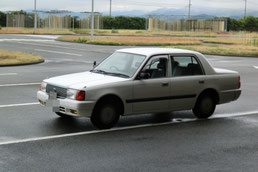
<point>153,51</point>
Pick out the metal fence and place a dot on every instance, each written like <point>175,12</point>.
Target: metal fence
<point>54,20</point>
<point>174,23</point>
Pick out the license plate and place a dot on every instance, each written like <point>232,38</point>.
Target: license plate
<point>52,95</point>
<point>52,101</point>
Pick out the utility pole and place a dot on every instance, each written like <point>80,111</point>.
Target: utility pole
<point>245,7</point>
<point>110,10</point>
<point>35,16</point>
<point>92,19</point>
<point>189,10</point>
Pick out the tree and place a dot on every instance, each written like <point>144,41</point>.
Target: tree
<point>250,23</point>
<point>234,25</point>
<point>122,22</point>
<point>2,19</point>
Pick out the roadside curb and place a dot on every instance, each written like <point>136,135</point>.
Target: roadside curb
<point>22,64</point>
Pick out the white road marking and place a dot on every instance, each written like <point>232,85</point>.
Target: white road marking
<point>229,61</point>
<point>21,84</point>
<point>7,74</point>
<point>256,67</point>
<point>28,40</point>
<point>70,48</point>
<point>234,114</point>
<point>52,46</point>
<point>57,52</point>
<point>117,129</point>
<point>17,105</point>
<point>44,36</point>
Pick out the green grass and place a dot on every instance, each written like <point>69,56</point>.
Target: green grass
<point>221,47</point>
<point>14,58</point>
<point>114,31</point>
<point>232,50</point>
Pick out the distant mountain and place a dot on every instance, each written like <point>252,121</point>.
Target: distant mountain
<point>178,13</point>
<point>207,11</point>
<point>133,13</point>
<point>203,16</point>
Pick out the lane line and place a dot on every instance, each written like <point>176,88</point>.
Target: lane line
<point>17,105</point>
<point>7,74</point>
<point>80,133</point>
<point>62,47</point>
<point>115,129</point>
<point>256,67</point>
<point>52,46</point>
<point>234,114</point>
<point>26,40</point>
<point>22,84</point>
<point>44,36</point>
<point>58,52</point>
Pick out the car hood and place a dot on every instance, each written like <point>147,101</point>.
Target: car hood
<point>83,80</point>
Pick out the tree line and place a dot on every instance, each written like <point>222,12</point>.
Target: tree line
<point>249,23</point>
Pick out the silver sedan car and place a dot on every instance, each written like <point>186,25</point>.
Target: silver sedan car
<point>141,80</point>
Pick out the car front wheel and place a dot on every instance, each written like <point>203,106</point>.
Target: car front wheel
<point>105,116</point>
<point>205,107</point>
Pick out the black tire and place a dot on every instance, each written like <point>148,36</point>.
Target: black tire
<point>64,116</point>
<point>205,106</point>
<point>105,116</point>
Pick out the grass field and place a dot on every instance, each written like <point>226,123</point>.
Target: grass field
<point>31,31</point>
<point>220,46</point>
<point>14,58</point>
<point>225,43</point>
<point>232,50</point>
<point>133,41</point>
<point>126,32</point>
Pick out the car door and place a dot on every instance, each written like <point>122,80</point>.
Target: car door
<point>188,79</point>
<point>152,93</point>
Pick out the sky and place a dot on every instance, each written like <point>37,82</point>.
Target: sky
<point>123,5</point>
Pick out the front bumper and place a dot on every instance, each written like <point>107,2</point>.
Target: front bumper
<point>67,106</point>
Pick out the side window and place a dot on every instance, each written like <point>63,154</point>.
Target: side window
<point>185,66</point>
<point>156,67</point>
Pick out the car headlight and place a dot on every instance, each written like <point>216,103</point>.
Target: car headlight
<point>71,94</point>
<point>43,86</point>
<point>76,94</point>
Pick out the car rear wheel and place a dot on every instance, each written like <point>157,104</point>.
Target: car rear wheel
<point>205,106</point>
<point>105,116</point>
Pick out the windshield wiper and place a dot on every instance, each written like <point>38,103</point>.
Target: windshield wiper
<point>98,71</point>
<point>109,73</point>
<point>118,74</point>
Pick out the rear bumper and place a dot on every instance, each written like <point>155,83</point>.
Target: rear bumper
<point>67,106</point>
<point>228,96</point>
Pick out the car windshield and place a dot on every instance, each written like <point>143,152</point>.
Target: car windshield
<point>120,64</point>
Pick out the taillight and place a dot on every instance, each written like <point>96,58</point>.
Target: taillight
<point>80,95</point>
<point>40,87</point>
<point>239,82</point>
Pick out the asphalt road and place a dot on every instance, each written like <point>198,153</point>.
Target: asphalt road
<point>32,138</point>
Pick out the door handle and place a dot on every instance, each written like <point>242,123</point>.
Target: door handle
<point>164,84</point>
<point>201,81</point>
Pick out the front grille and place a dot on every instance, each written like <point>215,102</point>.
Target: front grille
<point>61,92</point>
<point>61,109</point>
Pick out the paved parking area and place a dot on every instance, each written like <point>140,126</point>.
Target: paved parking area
<point>33,138</point>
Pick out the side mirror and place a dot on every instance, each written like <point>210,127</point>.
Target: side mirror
<point>94,63</point>
<point>144,75</point>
